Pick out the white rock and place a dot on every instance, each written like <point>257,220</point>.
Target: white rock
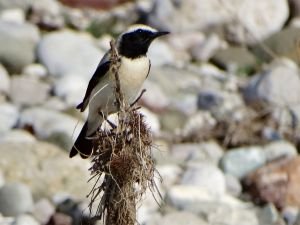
<point>17,44</point>
<point>247,18</point>
<point>154,97</point>
<point>15,199</point>
<point>169,174</point>
<point>197,122</point>
<point>25,219</point>
<point>279,149</point>
<point>46,122</point>
<point>35,70</point>
<point>229,216</point>
<point>13,15</point>
<point>233,185</point>
<point>188,15</point>
<point>16,135</point>
<point>48,13</point>
<point>9,115</point>
<point>5,80</point>
<point>205,175</point>
<point>256,20</point>
<point>151,120</point>
<point>71,89</point>
<point>208,152</point>
<point>33,93</point>
<point>68,52</point>
<point>206,50</point>
<point>186,197</point>
<point>160,54</point>
<point>180,218</point>
<point>43,210</point>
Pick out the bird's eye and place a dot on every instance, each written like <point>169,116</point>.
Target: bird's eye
<point>139,31</point>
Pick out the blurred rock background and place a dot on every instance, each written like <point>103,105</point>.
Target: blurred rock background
<point>223,102</point>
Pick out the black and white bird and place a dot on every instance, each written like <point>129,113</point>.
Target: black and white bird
<point>132,46</point>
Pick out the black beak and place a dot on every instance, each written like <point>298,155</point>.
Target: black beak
<point>160,33</point>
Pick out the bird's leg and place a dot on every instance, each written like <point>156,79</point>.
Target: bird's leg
<point>113,126</point>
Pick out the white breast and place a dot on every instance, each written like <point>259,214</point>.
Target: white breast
<point>133,73</point>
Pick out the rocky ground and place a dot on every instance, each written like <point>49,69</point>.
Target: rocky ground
<point>222,100</point>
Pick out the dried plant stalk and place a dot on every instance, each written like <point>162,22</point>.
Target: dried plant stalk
<point>123,157</point>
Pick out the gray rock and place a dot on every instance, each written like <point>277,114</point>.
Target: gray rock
<point>204,51</point>
<point>231,107</point>
<point>246,28</point>
<point>2,182</point>
<point>241,161</point>
<point>205,175</point>
<point>33,162</point>
<point>58,51</point>
<point>15,199</point>
<point>279,149</point>
<point>287,36</point>
<point>238,58</point>
<point>154,98</point>
<point>33,93</point>
<point>46,122</point>
<point>269,215</point>
<point>47,13</point>
<point>71,89</point>
<point>43,210</point>
<point>187,104</point>
<point>25,219</point>
<point>5,80</point>
<point>279,85</point>
<point>161,54</point>
<point>172,120</point>
<point>209,152</point>
<point>290,215</point>
<point>17,44</point>
<point>179,218</point>
<point>196,123</point>
<point>17,135</point>
<point>9,115</point>
<point>208,99</point>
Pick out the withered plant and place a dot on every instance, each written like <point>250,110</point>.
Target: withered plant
<point>122,165</point>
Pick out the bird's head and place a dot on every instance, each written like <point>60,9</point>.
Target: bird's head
<point>135,41</point>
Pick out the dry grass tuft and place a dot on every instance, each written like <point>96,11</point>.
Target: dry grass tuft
<point>123,157</point>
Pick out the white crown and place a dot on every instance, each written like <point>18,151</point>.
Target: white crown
<point>135,27</point>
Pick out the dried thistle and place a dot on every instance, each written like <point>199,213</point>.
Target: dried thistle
<point>123,157</point>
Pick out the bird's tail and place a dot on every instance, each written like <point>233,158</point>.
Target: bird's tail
<point>83,144</point>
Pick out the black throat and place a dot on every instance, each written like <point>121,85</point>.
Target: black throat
<point>132,51</point>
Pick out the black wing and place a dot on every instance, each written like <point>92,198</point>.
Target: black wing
<point>101,70</point>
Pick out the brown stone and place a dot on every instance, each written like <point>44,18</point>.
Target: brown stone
<point>278,182</point>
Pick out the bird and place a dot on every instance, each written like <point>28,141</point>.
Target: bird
<point>132,46</point>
